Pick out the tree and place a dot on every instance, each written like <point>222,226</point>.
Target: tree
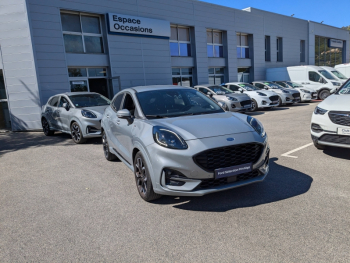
<point>346,27</point>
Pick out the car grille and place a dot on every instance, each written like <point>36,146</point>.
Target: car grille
<point>335,138</point>
<point>296,95</point>
<point>234,179</point>
<point>228,156</point>
<point>340,117</point>
<point>246,102</point>
<point>274,98</point>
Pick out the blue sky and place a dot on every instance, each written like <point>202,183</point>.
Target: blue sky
<point>334,13</point>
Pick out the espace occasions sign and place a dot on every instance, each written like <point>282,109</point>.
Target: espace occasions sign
<point>335,43</point>
<point>124,24</point>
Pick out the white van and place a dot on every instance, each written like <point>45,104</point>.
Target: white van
<point>338,76</point>
<point>344,69</point>
<point>308,76</point>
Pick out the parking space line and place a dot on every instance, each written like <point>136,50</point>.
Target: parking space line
<point>295,150</point>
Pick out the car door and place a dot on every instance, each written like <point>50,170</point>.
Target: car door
<point>64,115</point>
<point>124,132</point>
<point>315,80</point>
<point>112,127</point>
<point>50,112</point>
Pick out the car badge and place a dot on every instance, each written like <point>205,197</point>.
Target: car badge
<point>230,139</point>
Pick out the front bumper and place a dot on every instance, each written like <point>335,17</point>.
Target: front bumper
<point>91,128</point>
<point>265,102</point>
<point>235,106</point>
<point>329,135</point>
<point>182,162</point>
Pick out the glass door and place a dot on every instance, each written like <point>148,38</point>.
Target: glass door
<point>5,121</point>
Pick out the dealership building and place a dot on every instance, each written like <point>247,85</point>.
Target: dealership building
<point>53,46</point>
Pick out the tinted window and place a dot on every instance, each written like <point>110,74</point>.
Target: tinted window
<point>339,75</point>
<point>62,100</point>
<point>248,87</point>
<point>314,76</point>
<point>175,102</point>
<point>89,100</point>
<point>326,74</point>
<point>54,101</point>
<point>117,101</point>
<point>345,89</point>
<point>260,86</point>
<point>203,90</point>
<point>129,104</point>
<point>294,85</point>
<point>233,88</point>
<point>282,84</point>
<point>220,90</point>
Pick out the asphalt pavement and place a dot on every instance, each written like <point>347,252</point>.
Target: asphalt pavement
<point>61,202</point>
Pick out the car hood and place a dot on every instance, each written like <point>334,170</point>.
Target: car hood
<point>98,109</point>
<point>239,96</point>
<point>266,92</point>
<point>207,125</point>
<point>336,103</point>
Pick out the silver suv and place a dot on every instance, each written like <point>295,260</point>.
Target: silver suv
<point>179,142</point>
<point>230,100</point>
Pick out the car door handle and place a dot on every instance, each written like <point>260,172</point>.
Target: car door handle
<point>118,122</point>
<point>107,116</point>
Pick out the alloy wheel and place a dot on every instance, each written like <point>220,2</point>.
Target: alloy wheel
<point>46,127</point>
<point>141,176</point>
<point>105,145</point>
<point>76,134</point>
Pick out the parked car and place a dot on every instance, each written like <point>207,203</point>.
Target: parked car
<point>344,69</point>
<point>260,98</point>
<point>330,123</point>
<point>309,76</point>
<point>230,100</point>
<point>335,74</point>
<point>76,113</point>
<point>306,94</point>
<point>179,142</point>
<point>286,96</point>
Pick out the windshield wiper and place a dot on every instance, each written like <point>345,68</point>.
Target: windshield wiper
<point>156,116</point>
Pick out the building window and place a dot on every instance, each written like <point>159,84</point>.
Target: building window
<point>82,33</point>
<point>279,45</point>
<point>89,79</point>
<point>180,41</point>
<point>302,50</point>
<point>243,74</point>
<point>267,48</point>
<point>242,46</point>
<point>182,77</point>
<point>215,47</point>
<point>325,55</point>
<point>216,76</point>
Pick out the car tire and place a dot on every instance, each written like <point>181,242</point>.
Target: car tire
<point>77,134</point>
<point>319,146</point>
<point>279,102</point>
<point>46,128</point>
<point>143,179</point>
<point>108,155</point>
<point>254,105</point>
<point>324,94</point>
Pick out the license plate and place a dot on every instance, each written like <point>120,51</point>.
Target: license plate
<point>344,131</point>
<point>233,170</point>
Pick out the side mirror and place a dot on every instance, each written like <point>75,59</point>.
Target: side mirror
<point>221,104</point>
<point>66,106</point>
<point>125,114</point>
<point>266,88</point>
<point>210,94</point>
<point>241,90</point>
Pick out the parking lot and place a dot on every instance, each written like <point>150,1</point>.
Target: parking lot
<point>64,202</point>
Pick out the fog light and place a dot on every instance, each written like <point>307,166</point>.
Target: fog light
<point>233,106</point>
<point>316,128</point>
<point>91,129</point>
<point>173,177</point>
<point>288,99</point>
<point>264,102</point>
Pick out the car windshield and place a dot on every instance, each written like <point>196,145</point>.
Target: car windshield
<point>273,85</point>
<point>248,87</point>
<point>89,100</point>
<point>326,74</point>
<point>220,90</point>
<point>339,75</point>
<point>294,85</point>
<point>345,90</point>
<point>166,103</point>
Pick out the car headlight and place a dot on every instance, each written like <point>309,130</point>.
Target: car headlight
<point>285,91</point>
<point>257,126</point>
<point>261,94</point>
<point>336,83</point>
<point>231,98</point>
<point>169,139</point>
<point>305,91</point>
<point>320,111</point>
<point>88,114</point>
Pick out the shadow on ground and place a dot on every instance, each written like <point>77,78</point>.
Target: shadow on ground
<point>14,141</point>
<point>337,152</point>
<point>281,183</point>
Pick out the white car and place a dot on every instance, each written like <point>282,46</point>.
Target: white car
<point>330,123</point>
<point>306,94</point>
<point>260,98</point>
<point>335,74</point>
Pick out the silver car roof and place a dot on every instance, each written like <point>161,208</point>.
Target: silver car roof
<point>155,87</point>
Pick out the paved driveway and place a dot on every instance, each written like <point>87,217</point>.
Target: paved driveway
<point>61,202</point>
